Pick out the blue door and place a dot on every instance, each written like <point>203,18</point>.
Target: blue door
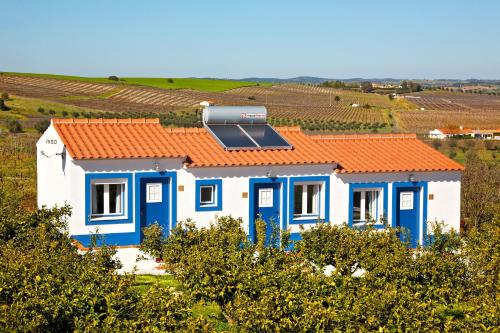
<point>154,203</point>
<point>407,214</point>
<point>267,206</point>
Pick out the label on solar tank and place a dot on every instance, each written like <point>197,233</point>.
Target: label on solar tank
<point>253,116</point>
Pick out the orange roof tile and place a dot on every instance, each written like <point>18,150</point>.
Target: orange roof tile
<point>146,138</point>
<point>384,153</point>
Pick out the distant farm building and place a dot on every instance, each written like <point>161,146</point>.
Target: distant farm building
<point>445,133</point>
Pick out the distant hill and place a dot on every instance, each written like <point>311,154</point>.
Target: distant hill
<point>319,80</point>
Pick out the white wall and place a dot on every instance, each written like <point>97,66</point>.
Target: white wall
<point>52,169</point>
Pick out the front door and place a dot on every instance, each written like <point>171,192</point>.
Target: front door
<point>154,203</point>
<point>408,214</point>
<point>267,206</point>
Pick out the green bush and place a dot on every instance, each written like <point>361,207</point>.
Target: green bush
<point>377,283</point>
<point>47,286</point>
<point>14,126</point>
<point>42,125</point>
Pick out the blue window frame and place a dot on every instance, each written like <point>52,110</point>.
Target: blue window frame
<point>368,201</point>
<point>314,203</point>
<point>108,198</point>
<point>208,195</point>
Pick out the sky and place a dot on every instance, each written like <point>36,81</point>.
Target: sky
<point>456,39</point>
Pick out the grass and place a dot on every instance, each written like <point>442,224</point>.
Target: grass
<point>210,311</point>
<point>211,85</point>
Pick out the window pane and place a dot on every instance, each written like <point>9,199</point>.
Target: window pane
<point>98,199</point>
<point>297,197</point>
<point>206,194</point>
<point>115,191</point>
<point>312,191</point>
<point>356,206</point>
<point>368,205</point>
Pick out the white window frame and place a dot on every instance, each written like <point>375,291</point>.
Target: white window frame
<point>271,197</point>
<point>148,188</point>
<point>379,208</point>
<point>213,202</point>
<point>318,201</point>
<point>411,201</point>
<point>106,215</point>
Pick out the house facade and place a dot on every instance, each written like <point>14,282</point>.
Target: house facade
<point>120,175</point>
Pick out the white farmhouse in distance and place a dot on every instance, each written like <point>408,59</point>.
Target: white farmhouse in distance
<point>120,175</point>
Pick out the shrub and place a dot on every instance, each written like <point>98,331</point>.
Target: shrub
<point>170,80</point>
<point>52,112</point>
<point>64,113</point>
<point>377,283</point>
<point>452,154</point>
<point>51,287</point>
<point>14,126</point>
<point>42,126</point>
<point>113,78</point>
<point>252,98</point>
<point>5,96</point>
<point>436,143</point>
<point>3,107</point>
<point>41,110</point>
<point>75,114</point>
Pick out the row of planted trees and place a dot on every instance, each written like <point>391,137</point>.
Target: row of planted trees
<point>377,283</point>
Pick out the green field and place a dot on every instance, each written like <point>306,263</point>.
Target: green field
<point>211,85</point>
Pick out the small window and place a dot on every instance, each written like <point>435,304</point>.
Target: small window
<point>306,200</point>
<point>207,195</point>
<point>108,199</point>
<point>406,200</point>
<point>153,192</point>
<point>265,197</point>
<point>366,206</point>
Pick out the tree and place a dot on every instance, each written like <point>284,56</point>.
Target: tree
<point>75,114</point>
<point>41,110</point>
<point>436,143</point>
<point>480,195</point>
<point>3,107</point>
<point>5,96</point>
<point>366,86</point>
<point>14,126</point>
<point>52,112</point>
<point>64,113</point>
<point>113,78</point>
<point>42,125</point>
<point>337,98</point>
<point>170,80</point>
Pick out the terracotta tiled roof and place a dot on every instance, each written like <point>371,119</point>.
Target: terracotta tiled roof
<point>384,153</point>
<point>116,138</point>
<point>146,138</point>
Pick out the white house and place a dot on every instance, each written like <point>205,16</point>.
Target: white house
<point>484,134</point>
<point>120,175</point>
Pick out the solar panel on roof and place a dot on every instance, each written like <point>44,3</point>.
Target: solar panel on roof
<point>265,136</point>
<point>232,136</point>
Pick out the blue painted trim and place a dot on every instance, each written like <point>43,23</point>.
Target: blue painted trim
<point>360,186</point>
<point>326,181</point>
<point>134,202</point>
<point>172,175</point>
<point>218,191</point>
<point>423,186</point>
<point>89,177</point>
<point>251,202</point>
<point>111,239</point>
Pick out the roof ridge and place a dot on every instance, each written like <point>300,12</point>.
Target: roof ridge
<point>364,136</point>
<point>105,120</point>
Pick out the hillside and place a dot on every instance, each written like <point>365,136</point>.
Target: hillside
<point>213,85</point>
